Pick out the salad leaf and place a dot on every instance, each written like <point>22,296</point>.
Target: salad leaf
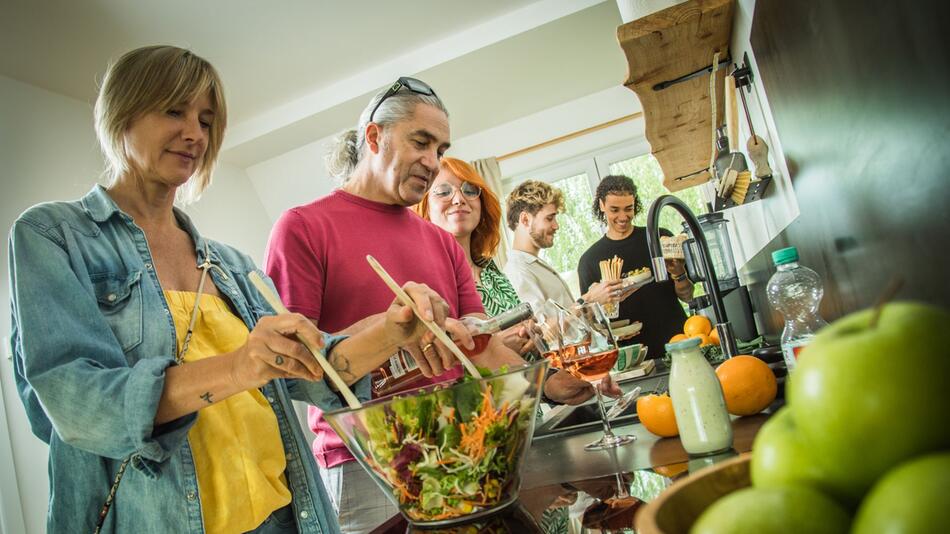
<point>449,437</point>
<point>468,397</point>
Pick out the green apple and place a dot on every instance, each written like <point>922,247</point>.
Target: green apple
<point>912,497</point>
<point>791,510</point>
<point>867,397</point>
<point>780,458</point>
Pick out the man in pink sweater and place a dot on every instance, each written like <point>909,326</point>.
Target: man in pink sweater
<point>316,257</point>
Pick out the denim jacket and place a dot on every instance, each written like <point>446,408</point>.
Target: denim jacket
<point>92,337</point>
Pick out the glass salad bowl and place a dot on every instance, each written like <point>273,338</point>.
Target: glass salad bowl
<point>449,453</point>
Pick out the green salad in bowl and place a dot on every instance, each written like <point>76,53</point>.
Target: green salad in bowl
<point>451,452</point>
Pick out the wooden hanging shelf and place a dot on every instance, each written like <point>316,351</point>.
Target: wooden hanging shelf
<point>668,56</point>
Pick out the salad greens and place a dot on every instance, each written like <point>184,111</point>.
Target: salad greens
<point>454,451</point>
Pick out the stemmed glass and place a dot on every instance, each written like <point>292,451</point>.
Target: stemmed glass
<point>585,347</point>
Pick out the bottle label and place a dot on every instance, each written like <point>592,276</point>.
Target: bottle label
<point>400,370</point>
<point>401,363</point>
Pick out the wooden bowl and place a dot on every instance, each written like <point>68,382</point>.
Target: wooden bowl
<point>679,506</point>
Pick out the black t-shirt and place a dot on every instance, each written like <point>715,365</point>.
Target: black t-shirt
<point>654,304</point>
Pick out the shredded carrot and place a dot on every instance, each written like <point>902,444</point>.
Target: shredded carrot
<point>473,438</point>
<point>398,484</point>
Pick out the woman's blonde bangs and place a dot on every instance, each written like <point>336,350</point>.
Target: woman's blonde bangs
<point>158,78</point>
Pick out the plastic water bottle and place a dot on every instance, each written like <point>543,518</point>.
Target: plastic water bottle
<point>795,291</point>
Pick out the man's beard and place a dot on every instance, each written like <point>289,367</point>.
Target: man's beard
<point>538,238</point>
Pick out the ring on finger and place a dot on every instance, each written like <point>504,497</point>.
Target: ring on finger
<point>426,347</point>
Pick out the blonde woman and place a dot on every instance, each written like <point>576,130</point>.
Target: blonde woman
<point>157,374</point>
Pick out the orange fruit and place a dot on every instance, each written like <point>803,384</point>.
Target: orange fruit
<point>678,337</point>
<point>656,414</point>
<point>697,324</point>
<point>703,339</point>
<point>748,385</point>
<point>714,336</point>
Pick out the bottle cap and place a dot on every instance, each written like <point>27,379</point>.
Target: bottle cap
<point>785,255</point>
<point>683,345</point>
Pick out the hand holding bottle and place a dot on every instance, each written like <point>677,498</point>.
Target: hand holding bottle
<point>481,329</point>
<point>412,335</point>
<point>517,339</point>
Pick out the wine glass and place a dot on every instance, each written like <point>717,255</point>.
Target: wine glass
<point>588,350</point>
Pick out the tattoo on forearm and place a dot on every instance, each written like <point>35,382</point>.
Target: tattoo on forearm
<point>207,397</point>
<point>341,363</point>
<point>279,360</point>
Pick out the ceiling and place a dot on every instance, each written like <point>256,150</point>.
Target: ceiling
<point>296,71</point>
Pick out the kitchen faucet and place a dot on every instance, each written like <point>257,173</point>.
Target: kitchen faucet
<point>710,280</point>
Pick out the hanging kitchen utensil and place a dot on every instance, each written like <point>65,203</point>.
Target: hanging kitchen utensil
<point>757,147</point>
<point>759,154</point>
<point>734,174</point>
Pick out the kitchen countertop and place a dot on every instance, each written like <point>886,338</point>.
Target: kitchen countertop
<point>562,482</point>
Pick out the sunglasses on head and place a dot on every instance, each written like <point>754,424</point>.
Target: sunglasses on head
<point>446,191</point>
<point>416,86</point>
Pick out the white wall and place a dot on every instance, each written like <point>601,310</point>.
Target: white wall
<point>50,152</point>
<point>231,212</point>
<point>293,178</point>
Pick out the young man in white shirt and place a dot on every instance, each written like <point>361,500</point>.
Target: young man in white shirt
<point>532,215</point>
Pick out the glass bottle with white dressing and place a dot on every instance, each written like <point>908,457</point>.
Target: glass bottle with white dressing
<point>698,403</point>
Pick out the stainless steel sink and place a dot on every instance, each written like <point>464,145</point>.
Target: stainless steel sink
<point>586,417</point>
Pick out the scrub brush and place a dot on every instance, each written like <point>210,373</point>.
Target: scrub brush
<point>741,187</point>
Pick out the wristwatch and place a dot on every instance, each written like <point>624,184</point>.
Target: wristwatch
<point>679,278</point>
<point>580,301</point>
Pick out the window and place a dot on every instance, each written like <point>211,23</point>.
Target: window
<point>578,179</point>
<point>576,227</point>
<point>647,176</point>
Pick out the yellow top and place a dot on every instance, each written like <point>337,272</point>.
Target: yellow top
<point>238,453</point>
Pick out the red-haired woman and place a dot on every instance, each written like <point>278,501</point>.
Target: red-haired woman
<point>461,203</point>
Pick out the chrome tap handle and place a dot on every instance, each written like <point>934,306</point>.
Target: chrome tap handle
<point>659,270</point>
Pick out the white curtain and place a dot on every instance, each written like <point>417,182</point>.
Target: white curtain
<point>491,172</point>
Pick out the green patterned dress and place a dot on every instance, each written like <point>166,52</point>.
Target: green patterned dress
<point>496,291</point>
<point>498,295</point>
